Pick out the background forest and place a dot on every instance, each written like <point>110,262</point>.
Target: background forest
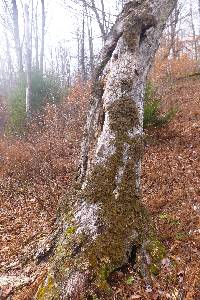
<point>48,54</point>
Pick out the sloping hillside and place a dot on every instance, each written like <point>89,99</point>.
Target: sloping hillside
<point>171,185</point>
<point>171,191</point>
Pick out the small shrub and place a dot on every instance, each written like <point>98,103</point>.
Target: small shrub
<point>45,89</point>
<point>152,110</point>
<point>149,92</point>
<point>17,108</point>
<point>41,165</point>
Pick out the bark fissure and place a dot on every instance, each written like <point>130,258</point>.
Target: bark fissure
<point>106,222</point>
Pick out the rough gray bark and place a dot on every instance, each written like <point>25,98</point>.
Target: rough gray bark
<point>104,219</point>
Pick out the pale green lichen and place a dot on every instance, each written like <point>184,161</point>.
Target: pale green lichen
<point>130,280</point>
<point>122,218</point>
<point>157,252</point>
<point>70,230</point>
<point>48,290</point>
<point>154,269</point>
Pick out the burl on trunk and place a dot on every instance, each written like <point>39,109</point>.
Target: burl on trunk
<point>104,221</point>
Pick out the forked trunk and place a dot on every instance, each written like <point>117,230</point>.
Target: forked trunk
<point>104,219</point>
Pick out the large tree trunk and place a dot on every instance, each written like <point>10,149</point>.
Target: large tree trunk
<point>104,220</point>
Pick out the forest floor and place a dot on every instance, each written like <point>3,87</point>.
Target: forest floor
<point>171,191</point>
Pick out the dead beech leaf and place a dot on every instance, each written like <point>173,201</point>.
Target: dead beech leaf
<point>135,297</point>
<point>5,292</point>
<point>155,296</point>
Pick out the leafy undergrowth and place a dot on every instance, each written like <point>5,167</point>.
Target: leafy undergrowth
<point>171,188</point>
<point>170,179</point>
<point>35,172</point>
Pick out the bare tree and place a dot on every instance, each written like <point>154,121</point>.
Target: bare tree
<point>7,27</point>
<point>104,219</point>
<point>174,18</point>
<point>17,35</point>
<point>195,44</point>
<point>42,38</point>
<point>100,15</point>
<point>82,50</point>
<point>100,22</point>
<point>36,39</point>
<point>90,37</point>
<point>90,42</point>
<point>119,3</point>
<point>28,39</point>
<point>61,64</point>
<point>10,68</point>
<point>199,14</point>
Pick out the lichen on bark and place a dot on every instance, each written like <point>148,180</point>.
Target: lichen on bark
<point>117,224</point>
<point>105,216</point>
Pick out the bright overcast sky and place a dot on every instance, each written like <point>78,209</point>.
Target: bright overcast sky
<point>63,21</point>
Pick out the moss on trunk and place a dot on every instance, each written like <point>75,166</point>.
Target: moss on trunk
<point>105,216</point>
<point>120,215</point>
